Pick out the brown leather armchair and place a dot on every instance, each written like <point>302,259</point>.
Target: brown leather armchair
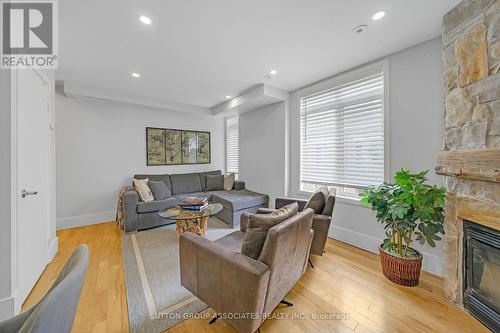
<point>232,283</point>
<point>321,222</point>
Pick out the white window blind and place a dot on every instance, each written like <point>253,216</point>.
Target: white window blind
<point>342,135</point>
<point>232,145</point>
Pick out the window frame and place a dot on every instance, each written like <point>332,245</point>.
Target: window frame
<point>330,83</point>
<point>226,146</point>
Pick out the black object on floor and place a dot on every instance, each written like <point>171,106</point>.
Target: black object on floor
<point>214,319</point>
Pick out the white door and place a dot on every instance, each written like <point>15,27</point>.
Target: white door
<point>33,178</point>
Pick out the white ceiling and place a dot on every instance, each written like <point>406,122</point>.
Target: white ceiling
<point>198,51</point>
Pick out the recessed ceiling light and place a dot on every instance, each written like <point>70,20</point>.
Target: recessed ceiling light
<point>137,75</point>
<point>270,74</point>
<point>378,15</point>
<point>145,19</point>
<point>228,97</point>
<point>360,28</point>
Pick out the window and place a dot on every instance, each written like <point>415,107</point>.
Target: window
<point>342,136</point>
<point>232,145</point>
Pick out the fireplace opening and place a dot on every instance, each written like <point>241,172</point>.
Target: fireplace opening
<point>482,274</point>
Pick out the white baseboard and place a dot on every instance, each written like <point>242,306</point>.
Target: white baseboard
<point>83,220</point>
<point>431,263</point>
<point>53,248</point>
<point>7,308</point>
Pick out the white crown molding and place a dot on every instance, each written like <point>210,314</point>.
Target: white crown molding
<point>78,90</point>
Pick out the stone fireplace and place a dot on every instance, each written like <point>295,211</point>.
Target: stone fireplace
<point>470,161</point>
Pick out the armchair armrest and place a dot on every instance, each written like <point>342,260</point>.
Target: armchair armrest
<point>130,200</point>
<point>238,185</point>
<point>321,226</point>
<point>228,281</point>
<point>280,202</point>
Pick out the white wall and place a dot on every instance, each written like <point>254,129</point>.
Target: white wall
<point>262,150</point>
<point>101,145</point>
<point>6,302</point>
<point>416,133</point>
<point>417,116</point>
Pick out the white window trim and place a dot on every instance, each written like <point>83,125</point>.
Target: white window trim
<point>225,144</point>
<point>348,76</point>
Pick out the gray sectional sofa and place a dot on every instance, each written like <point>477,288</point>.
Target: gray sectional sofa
<point>139,215</point>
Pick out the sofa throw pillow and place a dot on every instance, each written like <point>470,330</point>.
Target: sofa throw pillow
<point>142,188</point>
<point>258,226</point>
<point>317,200</point>
<point>214,182</point>
<point>229,182</point>
<point>159,189</point>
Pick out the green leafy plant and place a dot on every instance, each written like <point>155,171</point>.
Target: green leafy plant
<point>409,209</point>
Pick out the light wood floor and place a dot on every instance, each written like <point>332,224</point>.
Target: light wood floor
<point>346,280</point>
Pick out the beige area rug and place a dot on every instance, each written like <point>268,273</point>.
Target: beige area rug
<point>156,299</point>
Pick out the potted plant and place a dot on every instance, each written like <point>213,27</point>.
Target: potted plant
<point>410,210</point>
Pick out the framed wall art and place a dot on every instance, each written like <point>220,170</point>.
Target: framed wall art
<point>166,146</point>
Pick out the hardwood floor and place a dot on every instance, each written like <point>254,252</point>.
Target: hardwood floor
<point>103,303</point>
<point>347,281</point>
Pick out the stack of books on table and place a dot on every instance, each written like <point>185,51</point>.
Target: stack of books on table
<point>194,203</point>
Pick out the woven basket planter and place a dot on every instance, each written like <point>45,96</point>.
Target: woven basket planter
<point>403,271</point>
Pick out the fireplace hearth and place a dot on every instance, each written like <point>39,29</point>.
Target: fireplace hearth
<point>481,274</point>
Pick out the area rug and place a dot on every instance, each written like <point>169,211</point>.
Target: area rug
<point>156,299</point>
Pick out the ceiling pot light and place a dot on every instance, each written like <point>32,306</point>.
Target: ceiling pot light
<point>228,97</point>
<point>145,19</point>
<point>360,28</point>
<point>270,74</point>
<point>378,15</point>
<point>136,75</point>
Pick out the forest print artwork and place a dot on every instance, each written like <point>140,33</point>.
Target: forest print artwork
<point>174,147</point>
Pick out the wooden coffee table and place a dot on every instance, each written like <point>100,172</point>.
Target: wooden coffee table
<point>191,220</point>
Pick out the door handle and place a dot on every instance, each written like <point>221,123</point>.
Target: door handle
<point>25,193</point>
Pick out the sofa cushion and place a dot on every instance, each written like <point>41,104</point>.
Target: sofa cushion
<point>207,195</point>
<point>233,241</point>
<point>229,181</point>
<point>185,183</point>
<point>237,200</point>
<point>157,205</point>
<point>259,224</point>
<point>203,177</point>
<point>214,182</point>
<point>317,200</point>
<point>142,188</point>
<point>159,189</point>
<point>163,178</point>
